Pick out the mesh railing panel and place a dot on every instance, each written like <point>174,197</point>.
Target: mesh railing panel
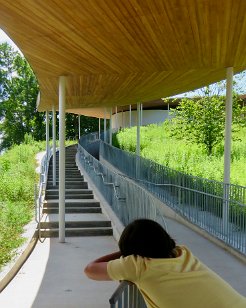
<point>218,208</point>
<point>128,200</point>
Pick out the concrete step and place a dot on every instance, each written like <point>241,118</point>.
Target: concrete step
<point>67,167</point>
<point>73,203</point>
<point>68,177</point>
<point>76,224</point>
<point>69,185</point>
<point>67,174</point>
<point>68,158</point>
<point>70,196</point>
<point>68,180</point>
<point>75,217</point>
<point>78,232</point>
<point>72,210</point>
<point>69,191</point>
<point>67,171</point>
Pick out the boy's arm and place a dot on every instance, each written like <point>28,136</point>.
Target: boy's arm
<point>97,269</point>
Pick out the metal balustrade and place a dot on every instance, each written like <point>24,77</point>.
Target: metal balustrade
<point>127,199</point>
<point>218,208</point>
<point>127,295</point>
<point>40,189</point>
<point>200,201</point>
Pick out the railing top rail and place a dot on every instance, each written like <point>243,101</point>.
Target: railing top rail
<point>120,289</point>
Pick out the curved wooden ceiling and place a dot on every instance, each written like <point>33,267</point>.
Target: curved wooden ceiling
<point>119,52</point>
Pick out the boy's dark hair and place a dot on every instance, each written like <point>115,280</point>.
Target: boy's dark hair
<point>146,238</point>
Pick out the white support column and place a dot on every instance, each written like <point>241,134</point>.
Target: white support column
<point>47,133</point>
<point>105,126</point>
<point>138,141</point>
<point>116,119</point>
<point>122,119</point>
<point>141,114</point>
<point>79,124</point>
<point>110,127</point>
<point>138,130</point>
<point>99,128</point>
<point>54,143</point>
<point>62,103</point>
<point>130,116</point>
<point>227,147</point>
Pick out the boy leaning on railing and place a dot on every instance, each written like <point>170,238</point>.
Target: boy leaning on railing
<point>166,275</point>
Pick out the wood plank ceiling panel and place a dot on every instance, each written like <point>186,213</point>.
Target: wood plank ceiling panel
<point>117,52</point>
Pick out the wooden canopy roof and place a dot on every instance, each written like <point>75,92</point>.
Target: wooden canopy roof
<point>119,52</point>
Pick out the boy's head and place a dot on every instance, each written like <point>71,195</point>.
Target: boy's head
<point>146,238</point>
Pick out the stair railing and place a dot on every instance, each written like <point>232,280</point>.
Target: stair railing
<point>127,295</point>
<point>127,199</point>
<point>39,191</point>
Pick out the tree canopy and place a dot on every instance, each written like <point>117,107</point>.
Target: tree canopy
<point>202,119</point>
<point>18,94</point>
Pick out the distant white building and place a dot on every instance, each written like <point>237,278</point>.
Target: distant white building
<point>153,112</point>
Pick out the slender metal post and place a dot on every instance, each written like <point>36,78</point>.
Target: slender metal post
<point>105,133</point>
<point>116,119</point>
<point>130,116</point>
<point>110,127</point>
<point>122,120</point>
<point>62,103</point>
<point>54,144</point>
<point>141,114</point>
<point>79,125</point>
<point>99,128</point>
<point>138,130</point>
<point>47,133</point>
<point>138,143</point>
<point>227,146</point>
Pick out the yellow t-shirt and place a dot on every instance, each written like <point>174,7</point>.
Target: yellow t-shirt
<point>176,282</point>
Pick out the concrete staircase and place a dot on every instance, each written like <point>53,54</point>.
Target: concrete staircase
<point>83,213</point>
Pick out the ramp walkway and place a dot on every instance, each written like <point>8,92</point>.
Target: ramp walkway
<point>53,274</point>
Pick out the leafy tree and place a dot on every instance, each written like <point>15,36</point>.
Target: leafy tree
<point>87,125</point>
<point>18,93</point>
<point>202,119</point>
<point>18,113</point>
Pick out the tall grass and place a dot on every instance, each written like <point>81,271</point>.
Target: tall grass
<point>17,178</point>
<point>182,155</point>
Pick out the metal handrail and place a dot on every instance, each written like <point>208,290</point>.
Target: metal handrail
<point>127,295</point>
<point>103,178</point>
<point>123,190</point>
<point>39,199</point>
<point>201,201</point>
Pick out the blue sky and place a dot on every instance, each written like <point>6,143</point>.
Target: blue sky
<point>5,38</point>
<point>241,83</point>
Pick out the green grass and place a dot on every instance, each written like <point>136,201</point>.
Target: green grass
<point>17,180</point>
<point>184,156</point>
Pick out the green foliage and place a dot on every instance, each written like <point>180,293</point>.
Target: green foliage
<point>17,179</point>
<point>12,219</point>
<point>18,114</point>
<point>18,96</point>
<point>87,125</point>
<point>202,120</point>
<point>159,145</point>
